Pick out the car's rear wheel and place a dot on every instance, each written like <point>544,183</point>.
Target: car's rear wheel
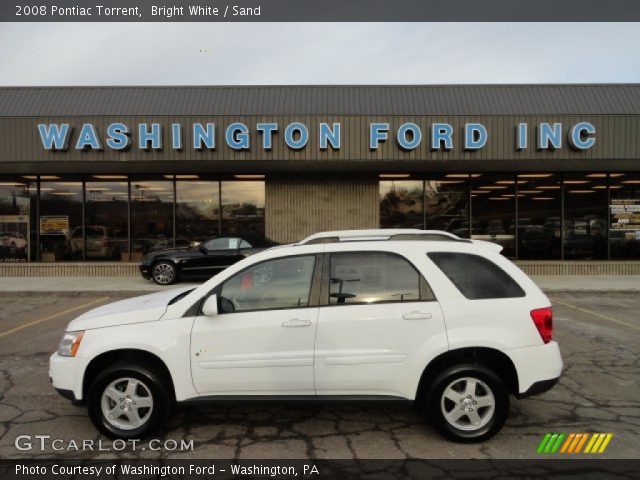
<point>164,273</point>
<point>128,401</point>
<point>468,403</point>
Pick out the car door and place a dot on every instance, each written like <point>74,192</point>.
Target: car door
<point>261,341</point>
<point>377,313</point>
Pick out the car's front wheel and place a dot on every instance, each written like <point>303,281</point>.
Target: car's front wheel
<point>128,401</point>
<point>468,403</point>
<point>164,273</point>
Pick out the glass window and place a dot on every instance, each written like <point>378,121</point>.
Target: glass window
<point>493,210</point>
<point>372,277</point>
<point>197,211</point>
<point>106,220</point>
<point>151,215</point>
<point>585,216</point>
<point>274,284</point>
<point>243,208</point>
<point>401,204</point>
<point>624,210</point>
<point>60,222</point>
<point>446,204</point>
<point>224,243</point>
<point>16,226</point>
<point>539,216</point>
<point>476,277</point>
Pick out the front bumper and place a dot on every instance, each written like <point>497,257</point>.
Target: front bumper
<point>145,271</point>
<point>66,374</point>
<point>538,367</point>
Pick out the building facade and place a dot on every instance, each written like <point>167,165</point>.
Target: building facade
<point>551,172</point>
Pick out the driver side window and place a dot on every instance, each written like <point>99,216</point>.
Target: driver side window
<point>224,243</point>
<point>270,285</point>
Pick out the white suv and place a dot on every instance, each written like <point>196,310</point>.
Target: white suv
<point>413,315</point>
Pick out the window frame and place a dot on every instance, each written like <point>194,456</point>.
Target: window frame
<point>491,262</point>
<point>314,287</point>
<point>426,293</point>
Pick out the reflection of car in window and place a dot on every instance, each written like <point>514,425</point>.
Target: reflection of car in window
<point>101,242</point>
<point>13,244</point>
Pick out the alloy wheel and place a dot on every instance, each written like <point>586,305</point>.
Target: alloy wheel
<point>163,273</point>
<point>127,403</point>
<point>468,403</point>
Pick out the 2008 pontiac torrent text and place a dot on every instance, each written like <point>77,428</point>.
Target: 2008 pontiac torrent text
<point>412,315</point>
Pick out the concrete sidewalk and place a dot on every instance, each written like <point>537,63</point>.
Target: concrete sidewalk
<point>613,283</point>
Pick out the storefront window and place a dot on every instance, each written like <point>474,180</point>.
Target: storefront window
<point>106,219</point>
<point>197,211</point>
<point>60,222</point>
<point>624,211</point>
<point>539,216</point>
<point>401,204</point>
<point>585,216</point>
<point>16,228</point>
<point>446,204</point>
<point>243,208</point>
<point>493,210</point>
<point>151,215</point>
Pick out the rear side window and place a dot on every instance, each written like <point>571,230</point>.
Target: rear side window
<point>373,277</point>
<point>476,277</point>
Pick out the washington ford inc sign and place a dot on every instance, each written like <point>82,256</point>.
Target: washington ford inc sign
<point>237,136</point>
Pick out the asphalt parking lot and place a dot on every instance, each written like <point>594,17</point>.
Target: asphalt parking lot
<point>599,334</point>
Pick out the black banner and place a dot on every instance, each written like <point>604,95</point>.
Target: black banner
<point>320,11</point>
<point>597,469</point>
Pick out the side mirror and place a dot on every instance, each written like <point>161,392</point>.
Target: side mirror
<point>210,307</point>
<point>202,248</point>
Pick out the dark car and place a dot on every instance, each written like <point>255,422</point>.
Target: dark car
<point>166,266</point>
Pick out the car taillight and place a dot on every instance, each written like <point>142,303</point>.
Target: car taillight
<point>543,320</point>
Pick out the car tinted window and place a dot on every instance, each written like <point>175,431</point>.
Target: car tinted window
<point>96,232</point>
<point>224,243</point>
<point>244,244</point>
<point>372,277</point>
<point>476,277</point>
<point>275,284</point>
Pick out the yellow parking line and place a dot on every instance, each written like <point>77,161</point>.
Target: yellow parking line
<point>591,312</point>
<point>49,317</point>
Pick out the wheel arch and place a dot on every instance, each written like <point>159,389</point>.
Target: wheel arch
<point>491,358</point>
<point>136,356</point>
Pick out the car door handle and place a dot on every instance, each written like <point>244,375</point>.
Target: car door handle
<point>415,315</point>
<point>296,322</point>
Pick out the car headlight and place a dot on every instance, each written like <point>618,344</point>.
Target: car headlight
<point>70,343</point>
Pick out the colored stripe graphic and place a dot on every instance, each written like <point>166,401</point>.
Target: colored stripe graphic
<point>598,442</point>
<point>574,443</point>
<point>551,442</point>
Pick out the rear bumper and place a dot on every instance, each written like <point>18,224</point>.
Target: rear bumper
<point>538,367</point>
<point>539,387</point>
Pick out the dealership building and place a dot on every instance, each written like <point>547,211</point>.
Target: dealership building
<point>93,176</point>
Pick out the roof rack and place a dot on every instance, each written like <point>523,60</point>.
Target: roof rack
<point>380,234</point>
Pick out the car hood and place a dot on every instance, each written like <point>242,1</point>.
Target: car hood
<point>145,308</point>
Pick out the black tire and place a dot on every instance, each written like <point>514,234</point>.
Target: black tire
<point>160,277</point>
<point>491,418</point>
<point>155,384</point>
